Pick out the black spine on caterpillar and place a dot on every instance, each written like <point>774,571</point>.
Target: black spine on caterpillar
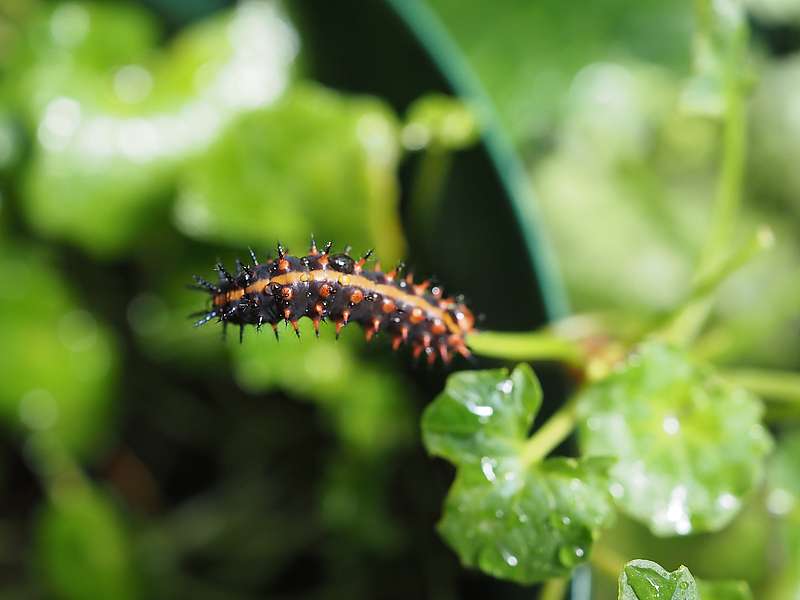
<point>336,287</point>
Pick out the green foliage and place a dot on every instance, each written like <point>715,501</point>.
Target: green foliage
<point>690,446</point>
<point>165,156</point>
<point>359,401</point>
<point>646,580</point>
<point>507,514</point>
<point>442,121</point>
<point>315,162</point>
<point>83,548</point>
<point>783,503</point>
<point>119,123</point>
<point>59,362</point>
<point>527,75</point>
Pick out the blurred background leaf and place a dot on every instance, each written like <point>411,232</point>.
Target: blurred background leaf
<point>690,447</point>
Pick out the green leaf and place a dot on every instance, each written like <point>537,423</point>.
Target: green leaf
<point>83,548</point>
<point>316,161</point>
<point>646,580</point>
<point>60,361</point>
<point>359,397</point>
<point>507,516</point>
<point>690,446</point>
<point>114,117</point>
<point>482,413</point>
<point>526,524</point>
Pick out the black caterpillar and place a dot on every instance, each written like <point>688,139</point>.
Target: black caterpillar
<point>324,286</point>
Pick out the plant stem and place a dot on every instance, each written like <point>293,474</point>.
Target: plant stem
<point>607,561</point>
<point>534,345</point>
<point>551,434</point>
<point>553,589</point>
<point>729,187</point>
<point>690,316</point>
<point>779,386</point>
<point>426,192</point>
<point>54,466</point>
<point>728,200</point>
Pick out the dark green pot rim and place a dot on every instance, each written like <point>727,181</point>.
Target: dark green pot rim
<point>432,35</point>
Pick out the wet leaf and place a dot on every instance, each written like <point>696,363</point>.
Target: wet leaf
<point>482,413</point>
<point>646,580</point>
<point>690,446</point>
<point>505,514</point>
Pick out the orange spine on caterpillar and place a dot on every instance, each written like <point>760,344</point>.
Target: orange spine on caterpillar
<point>335,287</point>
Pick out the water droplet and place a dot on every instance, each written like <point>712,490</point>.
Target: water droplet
<point>487,466</point>
<point>571,555</point>
<point>506,386</point>
<point>684,585</point>
<point>728,501</point>
<point>674,517</point>
<point>510,559</point>
<point>780,502</point>
<point>480,410</point>
<point>671,425</point>
<point>565,520</point>
<point>617,490</point>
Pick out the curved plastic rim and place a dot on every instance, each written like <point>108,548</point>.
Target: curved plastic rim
<point>431,33</point>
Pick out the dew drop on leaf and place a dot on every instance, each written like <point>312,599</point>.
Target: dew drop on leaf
<point>571,555</point>
<point>511,560</point>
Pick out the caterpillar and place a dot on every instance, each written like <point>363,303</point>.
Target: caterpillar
<point>336,287</point>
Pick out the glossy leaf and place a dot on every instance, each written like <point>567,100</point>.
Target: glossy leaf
<point>690,446</point>
<point>482,413</point>
<point>505,514</point>
<point>646,580</point>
